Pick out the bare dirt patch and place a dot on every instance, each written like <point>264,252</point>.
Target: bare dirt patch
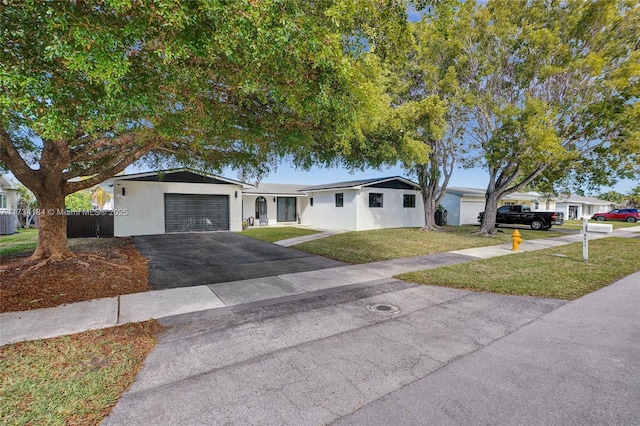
<point>104,267</point>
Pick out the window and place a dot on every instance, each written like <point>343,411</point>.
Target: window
<point>340,199</point>
<point>504,210</point>
<point>375,200</point>
<point>3,201</point>
<point>536,205</point>
<point>311,201</point>
<point>408,200</point>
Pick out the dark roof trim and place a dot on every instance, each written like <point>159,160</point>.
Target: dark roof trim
<point>358,184</point>
<point>160,175</point>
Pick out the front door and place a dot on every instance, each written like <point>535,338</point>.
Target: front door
<point>286,209</point>
<point>573,212</point>
<point>261,208</point>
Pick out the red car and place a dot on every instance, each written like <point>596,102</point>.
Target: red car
<point>628,215</point>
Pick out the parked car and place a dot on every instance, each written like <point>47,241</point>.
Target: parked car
<point>524,216</point>
<point>628,215</point>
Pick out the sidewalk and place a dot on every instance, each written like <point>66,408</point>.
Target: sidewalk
<point>297,240</point>
<point>109,312</point>
<point>576,365</point>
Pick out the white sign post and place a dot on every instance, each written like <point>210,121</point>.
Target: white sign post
<point>591,227</point>
<point>585,239</point>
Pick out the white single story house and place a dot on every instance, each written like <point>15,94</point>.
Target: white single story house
<point>576,206</point>
<point>185,200</point>
<point>464,204</point>
<point>8,205</point>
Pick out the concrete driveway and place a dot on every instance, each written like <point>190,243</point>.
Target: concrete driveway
<point>191,259</point>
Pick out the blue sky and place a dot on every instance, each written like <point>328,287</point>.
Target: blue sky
<point>472,178</point>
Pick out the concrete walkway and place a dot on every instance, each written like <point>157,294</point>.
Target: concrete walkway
<point>298,240</point>
<point>108,312</point>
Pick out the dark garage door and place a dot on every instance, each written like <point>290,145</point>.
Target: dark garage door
<point>195,212</point>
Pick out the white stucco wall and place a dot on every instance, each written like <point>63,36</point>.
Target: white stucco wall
<point>544,206</point>
<point>12,199</point>
<point>391,214</point>
<point>144,204</point>
<point>324,213</point>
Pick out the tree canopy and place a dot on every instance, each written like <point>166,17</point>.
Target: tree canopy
<point>554,89</point>
<point>430,103</point>
<point>90,87</point>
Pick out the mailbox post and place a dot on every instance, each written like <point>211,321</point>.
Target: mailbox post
<point>595,228</point>
<point>585,239</point>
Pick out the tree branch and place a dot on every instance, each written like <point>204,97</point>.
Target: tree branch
<point>10,156</point>
<point>100,174</point>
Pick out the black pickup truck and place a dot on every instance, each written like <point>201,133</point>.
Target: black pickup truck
<point>524,216</point>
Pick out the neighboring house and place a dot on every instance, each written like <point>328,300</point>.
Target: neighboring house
<point>576,206</point>
<point>464,204</point>
<point>8,205</point>
<point>184,200</point>
<point>102,194</point>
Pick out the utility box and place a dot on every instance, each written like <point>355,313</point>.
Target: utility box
<point>599,228</point>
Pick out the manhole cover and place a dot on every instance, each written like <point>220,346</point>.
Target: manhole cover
<point>383,309</point>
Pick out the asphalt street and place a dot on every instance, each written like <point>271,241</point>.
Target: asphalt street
<point>444,357</point>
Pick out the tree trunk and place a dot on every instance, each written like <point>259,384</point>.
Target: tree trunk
<point>429,214</point>
<point>488,225</point>
<point>52,234</point>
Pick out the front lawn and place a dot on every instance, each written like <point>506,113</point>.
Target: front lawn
<point>385,244</point>
<point>541,273</point>
<point>23,240</point>
<point>277,233</point>
<point>72,379</point>
<point>617,224</point>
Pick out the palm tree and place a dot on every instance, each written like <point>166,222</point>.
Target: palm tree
<point>100,196</point>
<point>633,197</point>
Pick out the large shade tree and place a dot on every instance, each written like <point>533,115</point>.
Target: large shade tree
<point>89,87</point>
<point>430,102</point>
<point>554,87</point>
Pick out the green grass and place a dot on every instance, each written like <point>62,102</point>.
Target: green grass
<point>72,379</point>
<point>23,240</point>
<point>617,224</point>
<point>277,233</point>
<point>541,273</point>
<point>385,244</point>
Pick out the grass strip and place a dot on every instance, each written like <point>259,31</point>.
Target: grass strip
<point>73,379</point>
<point>556,272</point>
<point>577,224</point>
<point>22,240</point>
<point>384,244</point>
<point>277,233</point>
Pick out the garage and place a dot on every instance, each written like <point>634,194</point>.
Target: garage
<point>469,212</point>
<point>176,200</point>
<point>196,212</point>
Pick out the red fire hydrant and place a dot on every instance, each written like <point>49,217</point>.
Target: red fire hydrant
<point>516,240</point>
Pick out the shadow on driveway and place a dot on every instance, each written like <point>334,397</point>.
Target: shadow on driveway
<point>191,259</point>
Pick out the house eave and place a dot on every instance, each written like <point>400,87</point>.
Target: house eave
<point>182,169</point>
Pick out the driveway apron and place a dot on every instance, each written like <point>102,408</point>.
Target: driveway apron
<point>191,259</point>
